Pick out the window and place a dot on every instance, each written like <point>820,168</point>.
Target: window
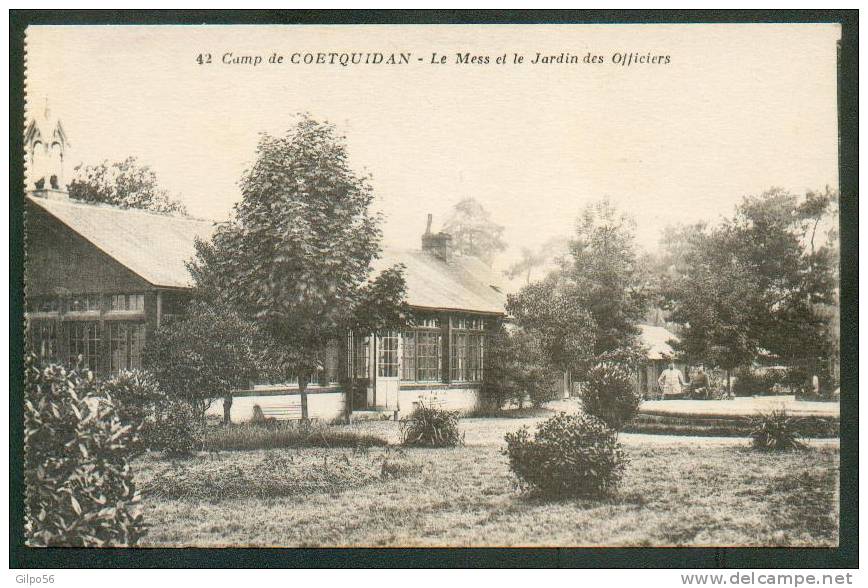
<point>361,365</point>
<point>128,302</point>
<point>331,365</point>
<point>428,345</point>
<point>83,303</point>
<point>43,340</point>
<point>387,355</point>
<point>459,356</point>
<point>43,304</point>
<point>126,342</point>
<point>408,358</point>
<point>83,341</point>
<point>467,350</point>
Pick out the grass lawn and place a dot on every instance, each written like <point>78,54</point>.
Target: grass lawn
<point>676,491</point>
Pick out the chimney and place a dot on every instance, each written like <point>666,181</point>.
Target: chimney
<point>437,244</point>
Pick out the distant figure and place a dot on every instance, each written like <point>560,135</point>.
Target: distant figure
<point>815,385</point>
<point>671,381</point>
<point>699,383</point>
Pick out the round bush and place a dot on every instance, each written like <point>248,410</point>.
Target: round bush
<point>570,455</point>
<point>135,395</point>
<point>177,429</point>
<point>80,491</point>
<point>609,395</point>
<point>428,426</point>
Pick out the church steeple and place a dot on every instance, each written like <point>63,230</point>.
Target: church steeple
<point>47,146</point>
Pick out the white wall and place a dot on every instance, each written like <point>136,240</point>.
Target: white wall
<point>325,406</point>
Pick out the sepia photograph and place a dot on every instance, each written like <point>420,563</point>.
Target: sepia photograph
<point>432,285</point>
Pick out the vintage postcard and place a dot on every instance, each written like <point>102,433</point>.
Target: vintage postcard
<point>504,285</point>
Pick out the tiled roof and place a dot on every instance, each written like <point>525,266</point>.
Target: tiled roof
<point>462,283</point>
<point>656,339</point>
<point>156,247</point>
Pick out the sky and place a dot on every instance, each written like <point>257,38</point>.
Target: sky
<point>738,109</point>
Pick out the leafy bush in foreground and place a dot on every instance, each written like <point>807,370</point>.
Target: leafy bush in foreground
<point>776,431</point>
<point>609,395</point>
<point>570,455</point>
<point>428,426</point>
<point>80,490</point>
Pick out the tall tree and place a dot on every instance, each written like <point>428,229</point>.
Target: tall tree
<point>296,255</point>
<point>532,259</point>
<point>473,231</point>
<point>759,281</point>
<point>126,184</point>
<point>553,313</point>
<point>602,272</point>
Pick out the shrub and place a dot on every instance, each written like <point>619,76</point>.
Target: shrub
<point>431,427</point>
<point>203,355</point>
<point>776,431</point>
<point>570,455</point>
<point>282,434</point>
<point>750,382</point>
<point>517,370</point>
<point>178,429</point>
<point>609,395</point>
<point>80,491</point>
<point>135,395</point>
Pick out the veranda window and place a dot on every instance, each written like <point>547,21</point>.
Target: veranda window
<point>126,341</point>
<point>467,350</point>
<point>83,341</point>
<point>361,366</point>
<point>408,359</point>
<point>387,355</point>
<point>43,340</point>
<point>128,302</point>
<point>83,303</point>
<point>331,365</point>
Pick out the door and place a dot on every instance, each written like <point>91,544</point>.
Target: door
<point>388,368</point>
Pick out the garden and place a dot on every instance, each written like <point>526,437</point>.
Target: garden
<point>132,459</point>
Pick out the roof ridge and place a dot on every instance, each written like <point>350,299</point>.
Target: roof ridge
<point>127,210</point>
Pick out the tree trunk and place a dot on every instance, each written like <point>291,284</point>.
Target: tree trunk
<point>728,384</point>
<point>227,410</point>
<point>302,388</point>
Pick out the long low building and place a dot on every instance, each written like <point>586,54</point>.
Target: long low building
<point>100,279</point>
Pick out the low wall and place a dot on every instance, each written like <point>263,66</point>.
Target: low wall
<point>325,406</point>
<point>460,399</point>
<point>328,405</point>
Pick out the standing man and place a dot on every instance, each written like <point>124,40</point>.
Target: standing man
<point>699,384</point>
<point>671,381</point>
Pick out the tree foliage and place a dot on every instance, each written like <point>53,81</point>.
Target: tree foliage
<point>80,489</point>
<point>518,369</point>
<point>126,184</point>
<point>762,280</point>
<point>603,274</point>
<point>532,259</point>
<point>296,256</point>
<point>555,315</point>
<point>473,231</point>
<point>203,355</point>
